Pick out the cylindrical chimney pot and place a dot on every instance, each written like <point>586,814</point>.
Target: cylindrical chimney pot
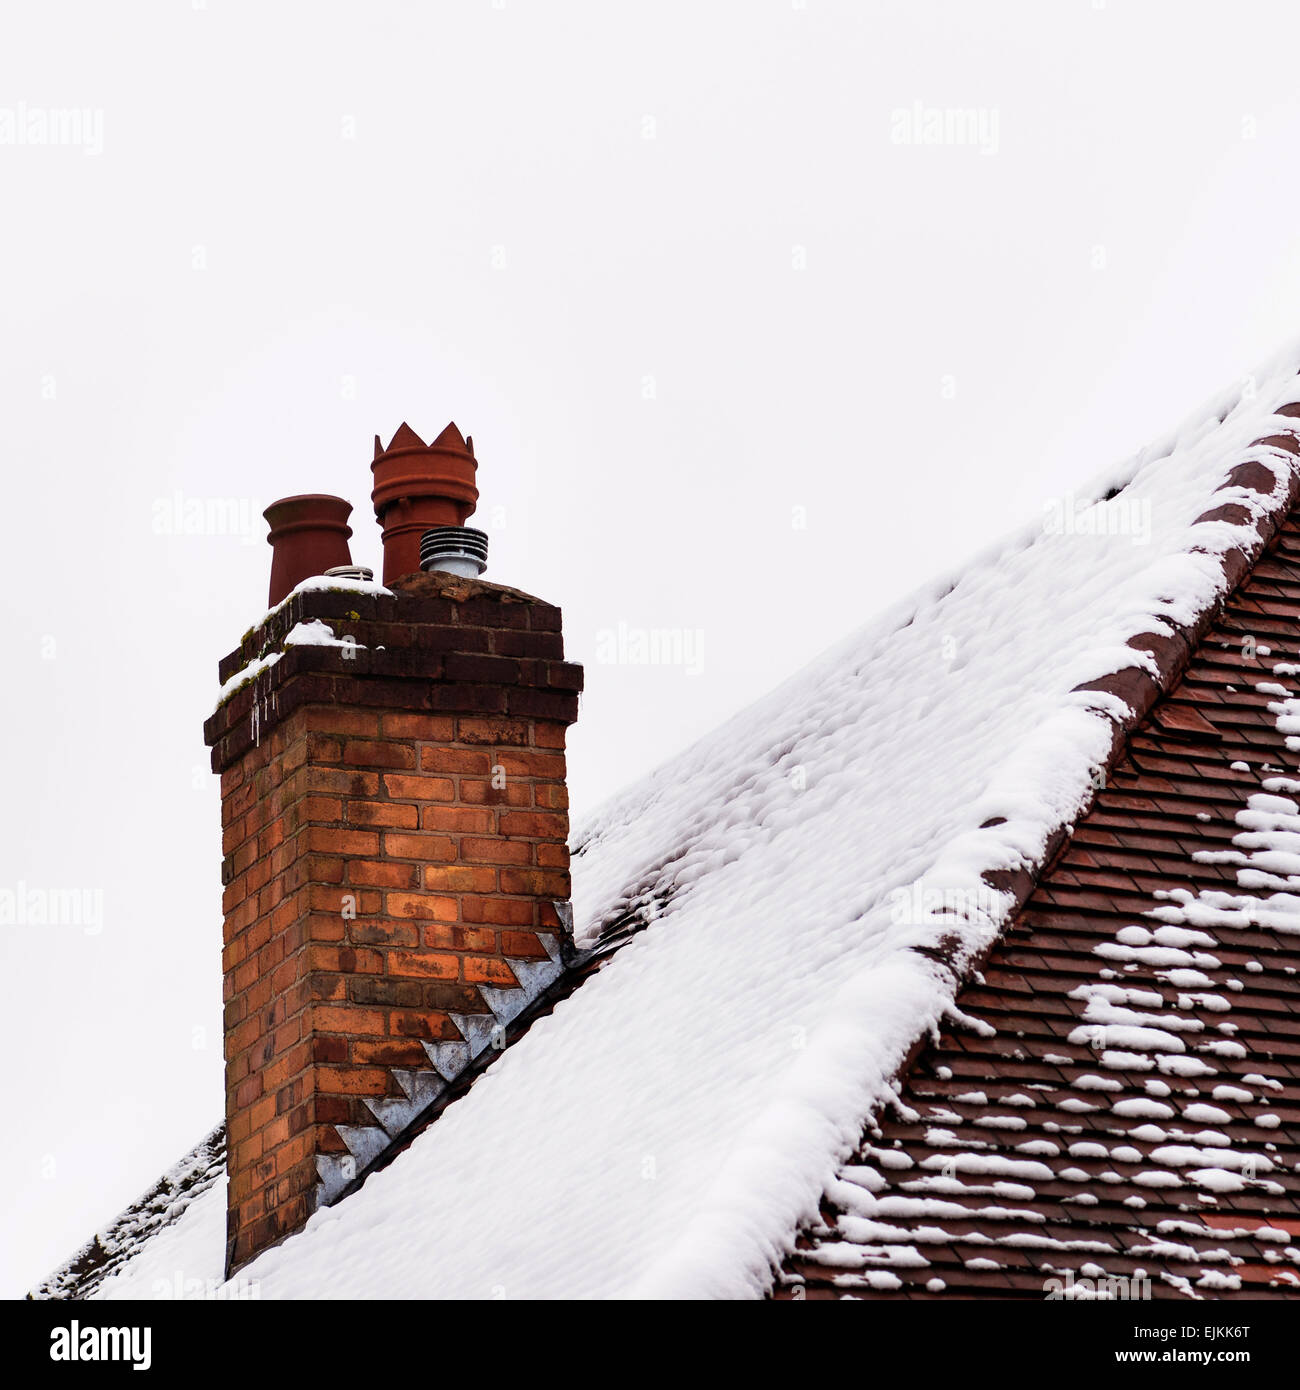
<point>309,535</point>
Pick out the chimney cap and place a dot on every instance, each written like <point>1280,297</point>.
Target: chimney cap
<point>454,550</point>
<point>322,507</point>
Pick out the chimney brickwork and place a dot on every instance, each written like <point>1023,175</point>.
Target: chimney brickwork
<point>395,864</point>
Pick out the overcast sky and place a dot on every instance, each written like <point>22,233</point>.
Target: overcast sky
<point>746,357</point>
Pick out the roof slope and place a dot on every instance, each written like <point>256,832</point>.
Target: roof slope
<point>670,1125</point>
<point>1130,1106</point>
<point>200,1174</point>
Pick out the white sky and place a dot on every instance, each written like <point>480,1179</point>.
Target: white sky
<point>309,222</point>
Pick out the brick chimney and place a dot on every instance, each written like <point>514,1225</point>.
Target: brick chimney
<point>396,876</point>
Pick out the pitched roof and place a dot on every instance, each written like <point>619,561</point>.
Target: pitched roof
<point>1124,1103</point>
<point>200,1173</point>
<point>669,1127</point>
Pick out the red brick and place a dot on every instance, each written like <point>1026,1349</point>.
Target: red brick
<point>522,943</point>
<point>383,875</point>
<point>383,813</point>
<point>476,793</point>
<point>495,851</point>
<point>332,840</point>
<point>541,883</point>
<point>536,764</point>
<point>423,964</point>
<point>315,749</point>
<point>422,727</point>
<point>419,788</point>
<point>449,937</point>
<point>473,729</point>
<point>470,666</point>
<point>332,719</point>
<point>352,1081</point>
<point>488,970</point>
<point>423,847</point>
<point>549,735</point>
<point>369,933</point>
<point>455,760</point>
<point>505,912</point>
<point>344,960</point>
<point>390,1054</point>
<point>535,824</point>
<point>441,909</point>
<point>458,819</point>
<point>329,1049</point>
<point>460,878</point>
<point>368,753</point>
<point>348,782</point>
<point>411,1023</point>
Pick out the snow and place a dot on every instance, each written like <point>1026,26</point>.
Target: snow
<point>1140,1108</point>
<point>1120,1060</point>
<point>1126,1038</point>
<point>1157,1178</point>
<point>1218,1179</point>
<point>1184,1066</point>
<point>317,634</point>
<point>244,675</point>
<point>1268,852</point>
<point>191,1249</point>
<point>324,583</point>
<point>1232,1093</point>
<point>184,1210</point>
<point>658,1134</point>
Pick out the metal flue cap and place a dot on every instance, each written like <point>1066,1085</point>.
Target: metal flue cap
<point>454,550</point>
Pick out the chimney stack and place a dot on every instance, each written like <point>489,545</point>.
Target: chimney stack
<point>419,486</point>
<point>396,868</point>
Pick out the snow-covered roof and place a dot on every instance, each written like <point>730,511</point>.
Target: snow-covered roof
<point>671,1124</point>
<point>1118,1119</point>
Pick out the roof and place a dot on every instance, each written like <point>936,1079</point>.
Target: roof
<point>1124,1103</point>
<point>799,897</point>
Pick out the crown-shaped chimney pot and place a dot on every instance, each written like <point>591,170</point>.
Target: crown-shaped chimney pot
<point>419,486</point>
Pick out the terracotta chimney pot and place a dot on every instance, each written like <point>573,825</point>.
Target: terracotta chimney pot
<point>419,486</point>
<point>309,534</point>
